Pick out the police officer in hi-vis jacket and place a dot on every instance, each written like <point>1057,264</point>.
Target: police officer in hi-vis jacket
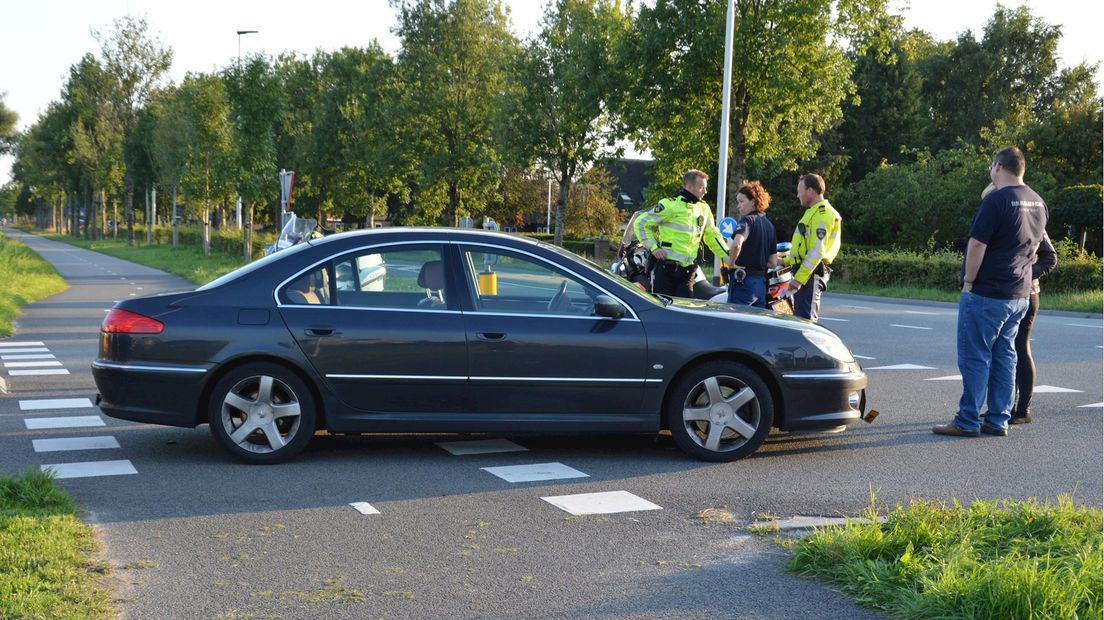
<point>816,241</point>
<point>674,229</point>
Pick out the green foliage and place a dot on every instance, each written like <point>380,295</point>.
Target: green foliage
<point>257,103</point>
<point>8,119</point>
<point>593,211</point>
<point>37,279</point>
<point>999,559</point>
<point>1075,208</point>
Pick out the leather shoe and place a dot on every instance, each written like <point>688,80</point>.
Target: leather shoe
<point>953,431</point>
<point>997,431</point>
<point>1020,419</point>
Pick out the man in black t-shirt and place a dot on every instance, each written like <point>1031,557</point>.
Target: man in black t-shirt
<point>753,248</point>
<point>996,283</point>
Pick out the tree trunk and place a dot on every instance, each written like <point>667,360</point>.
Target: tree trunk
<point>128,209</point>
<point>448,218</point>
<point>737,164</point>
<point>174,217</point>
<point>247,234</point>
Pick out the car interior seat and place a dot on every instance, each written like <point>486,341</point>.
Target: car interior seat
<point>303,290</point>
<point>431,277</point>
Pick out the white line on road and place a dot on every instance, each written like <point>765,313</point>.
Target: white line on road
<point>365,508</point>
<point>54,403</point>
<point>538,471</point>
<point>29,356</point>
<point>31,364</point>
<point>902,367</point>
<point>91,469</point>
<point>1053,389</point>
<point>909,326</point>
<point>45,371</point>
<point>80,421</point>
<point>605,503</point>
<point>1094,405</point>
<point>21,344</point>
<point>481,446</point>
<point>828,318</point>
<point>920,312</point>
<point>947,378</point>
<point>1083,325</point>
<point>74,443</point>
<point>27,350</point>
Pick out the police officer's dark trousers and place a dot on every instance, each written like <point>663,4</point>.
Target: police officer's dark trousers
<point>807,300</point>
<point>672,279</point>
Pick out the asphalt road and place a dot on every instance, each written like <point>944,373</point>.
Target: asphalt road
<point>194,534</point>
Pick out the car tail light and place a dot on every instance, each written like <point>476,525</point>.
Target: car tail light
<point>126,322</point>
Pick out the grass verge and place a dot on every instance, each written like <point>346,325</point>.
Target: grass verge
<point>37,279</point>
<point>992,559</point>
<point>186,261</point>
<point>1083,301</point>
<point>45,551</point>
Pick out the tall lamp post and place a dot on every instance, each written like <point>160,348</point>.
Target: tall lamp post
<point>247,229</point>
<point>726,102</point>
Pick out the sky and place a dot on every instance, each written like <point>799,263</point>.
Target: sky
<point>41,39</point>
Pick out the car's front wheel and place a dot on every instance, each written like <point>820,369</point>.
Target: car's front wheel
<point>720,411</point>
<point>262,413</point>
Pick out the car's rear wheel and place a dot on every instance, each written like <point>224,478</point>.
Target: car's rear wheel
<point>720,411</point>
<point>262,413</point>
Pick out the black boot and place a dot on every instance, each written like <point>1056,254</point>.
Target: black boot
<point>1019,417</point>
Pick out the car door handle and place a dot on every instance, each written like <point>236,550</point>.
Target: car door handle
<point>490,335</point>
<point>320,331</point>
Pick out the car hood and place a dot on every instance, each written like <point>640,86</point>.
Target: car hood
<point>744,314</point>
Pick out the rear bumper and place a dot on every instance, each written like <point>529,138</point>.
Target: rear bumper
<point>823,399</point>
<point>151,393</point>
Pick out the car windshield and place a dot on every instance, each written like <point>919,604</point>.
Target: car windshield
<point>605,276</point>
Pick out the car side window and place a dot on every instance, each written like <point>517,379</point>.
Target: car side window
<point>311,288</point>
<point>513,283</point>
<point>400,277</point>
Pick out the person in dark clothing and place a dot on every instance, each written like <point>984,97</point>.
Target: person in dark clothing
<point>753,248</point>
<point>1025,364</point>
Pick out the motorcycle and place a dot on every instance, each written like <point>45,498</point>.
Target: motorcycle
<point>297,230</point>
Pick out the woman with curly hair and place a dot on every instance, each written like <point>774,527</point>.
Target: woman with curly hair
<point>753,248</point>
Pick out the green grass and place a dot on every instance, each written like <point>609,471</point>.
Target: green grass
<point>37,279</point>
<point>45,551</point>
<point>1083,301</point>
<point>186,261</point>
<point>995,559</point>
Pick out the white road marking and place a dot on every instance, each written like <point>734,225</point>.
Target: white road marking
<point>31,364</point>
<point>1083,325</point>
<point>29,356</point>
<point>605,503</point>
<point>902,367</point>
<point>909,326</point>
<point>481,446</point>
<point>828,318</point>
<point>21,344</point>
<point>27,350</point>
<point>1053,389</point>
<point>1094,405</point>
<point>81,421</point>
<point>90,469</point>
<point>537,471</point>
<point>365,508</point>
<point>54,403</point>
<point>947,378</point>
<point>74,443</point>
<point>864,357</point>
<point>920,312</point>
<point>45,371</point>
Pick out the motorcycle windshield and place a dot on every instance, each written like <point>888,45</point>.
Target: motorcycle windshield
<point>630,229</point>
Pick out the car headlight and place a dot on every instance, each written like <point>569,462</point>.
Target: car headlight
<point>830,345</point>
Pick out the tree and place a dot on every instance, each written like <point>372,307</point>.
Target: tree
<point>789,77</point>
<point>8,118</point>
<point>95,137</point>
<point>209,171</point>
<point>567,79</point>
<point>593,210</point>
<point>453,70</point>
<point>169,145</point>
<point>135,63</point>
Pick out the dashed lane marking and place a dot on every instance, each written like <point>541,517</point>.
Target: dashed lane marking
<point>74,443</point>
<point>909,326</point>
<point>41,371</point>
<point>31,364</point>
<point>1083,325</point>
<point>902,367</point>
<point>921,312</point>
<point>54,403</point>
<point>608,502</point>
<point>29,356</point>
<point>21,344</point>
<point>828,318</point>
<point>532,473</point>
<point>947,378</point>
<point>1094,405</point>
<point>481,446</point>
<point>80,421</point>
<point>365,508</point>
<point>91,469</point>
<point>1053,389</point>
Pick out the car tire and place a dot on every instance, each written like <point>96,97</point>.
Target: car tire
<point>262,413</point>
<point>720,411</point>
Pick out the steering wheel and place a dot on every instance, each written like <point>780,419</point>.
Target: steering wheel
<point>559,301</point>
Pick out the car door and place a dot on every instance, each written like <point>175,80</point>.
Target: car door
<point>535,344</point>
<point>386,331</point>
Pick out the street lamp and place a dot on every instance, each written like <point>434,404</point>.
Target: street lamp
<point>240,33</point>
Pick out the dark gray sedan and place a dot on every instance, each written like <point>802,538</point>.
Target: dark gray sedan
<point>447,331</point>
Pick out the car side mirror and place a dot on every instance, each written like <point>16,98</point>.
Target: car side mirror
<point>607,306</point>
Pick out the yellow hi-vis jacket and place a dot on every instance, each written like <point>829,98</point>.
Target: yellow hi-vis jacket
<point>679,227</point>
<point>816,240</point>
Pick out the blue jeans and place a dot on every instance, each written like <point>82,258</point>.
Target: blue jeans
<point>987,358</point>
<point>753,292</point>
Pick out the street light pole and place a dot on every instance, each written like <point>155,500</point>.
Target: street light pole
<point>726,102</point>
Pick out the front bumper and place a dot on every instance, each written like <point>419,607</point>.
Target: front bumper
<point>822,399</point>
<point>151,393</point>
